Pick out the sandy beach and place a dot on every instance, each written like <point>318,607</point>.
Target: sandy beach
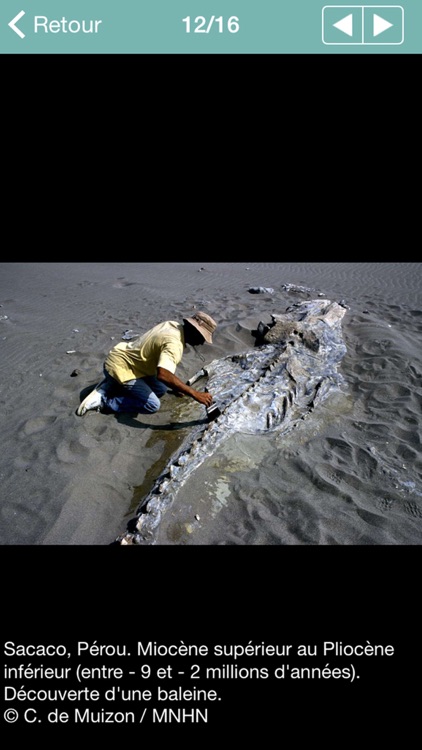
<point>350,475</point>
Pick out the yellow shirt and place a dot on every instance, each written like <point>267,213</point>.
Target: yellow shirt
<point>161,346</point>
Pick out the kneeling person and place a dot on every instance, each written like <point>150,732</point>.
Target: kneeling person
<point>139,372</point>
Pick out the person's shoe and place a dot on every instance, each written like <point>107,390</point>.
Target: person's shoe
<point>92,401</point>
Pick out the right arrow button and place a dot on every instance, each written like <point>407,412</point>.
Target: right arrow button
<point>380,25</point>
<point>383,24</point>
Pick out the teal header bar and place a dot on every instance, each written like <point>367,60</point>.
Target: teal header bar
<point>209,27</point>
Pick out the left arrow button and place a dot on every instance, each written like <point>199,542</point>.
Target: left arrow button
<point>13,26</point>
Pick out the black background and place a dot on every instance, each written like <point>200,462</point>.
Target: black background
<point>231,595</point>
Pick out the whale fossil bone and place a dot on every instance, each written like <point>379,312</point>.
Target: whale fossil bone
<point>292,367</point>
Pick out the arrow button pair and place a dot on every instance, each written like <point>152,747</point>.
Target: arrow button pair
<point>363,24</point>
<point>346,25</point>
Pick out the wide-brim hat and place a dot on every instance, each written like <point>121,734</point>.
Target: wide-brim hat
<point>204,324</point>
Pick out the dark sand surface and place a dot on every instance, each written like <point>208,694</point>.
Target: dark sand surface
<point>350,475</point>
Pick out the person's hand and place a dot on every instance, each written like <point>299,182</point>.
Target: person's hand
<point>203,398</point>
